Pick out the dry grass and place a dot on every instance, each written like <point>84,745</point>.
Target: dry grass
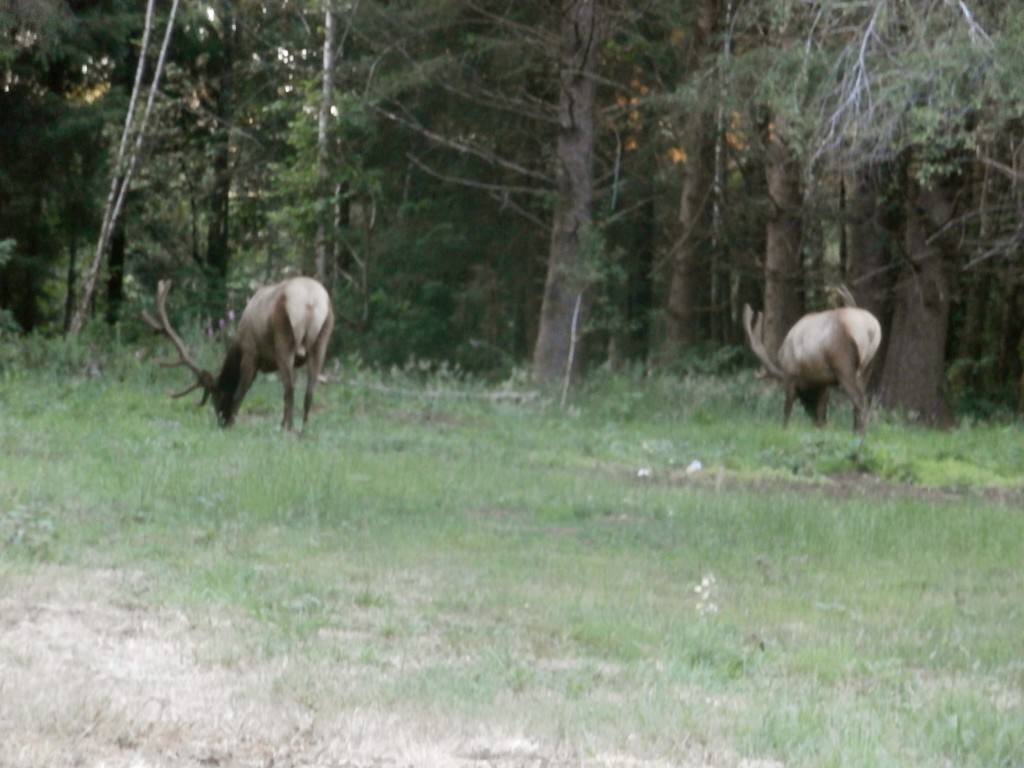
<point>90,676</point>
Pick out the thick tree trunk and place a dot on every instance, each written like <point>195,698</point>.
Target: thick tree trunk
<point>689,293</point>
<point>869,271</point>
<point>689,302</point>
<point>915,367</point>
<point>783,288</point>
<point>563,309</point>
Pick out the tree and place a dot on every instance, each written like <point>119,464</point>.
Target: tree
<point>689,300</point>
<point>914,374</point>
<point>323,224</point>
<point>555,355</point>
<point>125,163</point>
<point>59,87</point>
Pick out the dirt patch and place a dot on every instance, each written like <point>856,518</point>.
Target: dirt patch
<point>843,485</point>
<point>91,677</point>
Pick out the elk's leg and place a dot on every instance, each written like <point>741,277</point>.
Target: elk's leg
<point>860,405</point>
<point>821,407</point>
<point>287,375</point>
<point>787,409</point>
<point>315,364</point>
<point>847,374</point>
<point>286,372</point>
<point>246,376</point>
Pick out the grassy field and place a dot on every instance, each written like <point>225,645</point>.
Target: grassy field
<point>439,574</point>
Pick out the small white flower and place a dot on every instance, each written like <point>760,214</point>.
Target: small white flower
<point>645,473</point>
<point>705,605</point>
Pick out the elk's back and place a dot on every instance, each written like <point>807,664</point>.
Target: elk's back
<point>298,306</point>
<point>812,346</point>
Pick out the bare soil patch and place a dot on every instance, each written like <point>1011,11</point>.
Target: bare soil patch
<point>841,485</point>
<point>90,676</point>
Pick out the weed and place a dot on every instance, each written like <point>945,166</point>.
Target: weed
<point>29,531</point>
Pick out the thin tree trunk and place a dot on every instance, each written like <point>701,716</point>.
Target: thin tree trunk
<point>115,273</point>
<point>325,211</point>
<point>123,176</point>
<point>574,156</point>
<point>218,243</point>
<point>72,276</point>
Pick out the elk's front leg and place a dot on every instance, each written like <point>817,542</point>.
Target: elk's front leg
<point>787,409</point>
<point>246,376</point>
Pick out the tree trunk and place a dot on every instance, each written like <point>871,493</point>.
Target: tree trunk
<point>689,300</point>
<point>72,277</point>
<point>218,251</point>
<point>639,291</point>
<point>115,273</point>
<point>689,293</point>
<point>914,373</point>
<point>325,211</point>
<point>122,176</point>
<point>868,245</point>
<point>1010,360</point>
<point>783,288</point>
<point>561,316</point>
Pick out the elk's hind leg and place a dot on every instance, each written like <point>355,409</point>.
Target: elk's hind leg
<point>317,354</point>
<point>856,394</point>
<point>284,355</point>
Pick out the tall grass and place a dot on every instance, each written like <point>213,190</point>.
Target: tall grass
<point>429,550</point>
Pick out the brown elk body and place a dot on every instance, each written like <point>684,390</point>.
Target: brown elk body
<point>283,327</point>
<point>823,349</point>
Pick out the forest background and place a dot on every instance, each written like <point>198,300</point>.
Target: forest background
<point>564,185</point>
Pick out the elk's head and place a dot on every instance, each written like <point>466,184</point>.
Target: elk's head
<point>204,379</point>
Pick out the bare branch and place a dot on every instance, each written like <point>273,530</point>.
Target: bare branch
<point>977,33</point>
<point>463,147</point>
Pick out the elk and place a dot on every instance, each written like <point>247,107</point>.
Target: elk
<point>283,327</point>
<point>821,350</point>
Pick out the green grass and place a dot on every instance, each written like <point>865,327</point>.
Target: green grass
<point>426,548</point>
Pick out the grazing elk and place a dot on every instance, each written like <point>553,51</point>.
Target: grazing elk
<point>283,327</point>
<point>834,347</point>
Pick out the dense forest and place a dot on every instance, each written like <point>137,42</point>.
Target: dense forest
<point>556,186</point>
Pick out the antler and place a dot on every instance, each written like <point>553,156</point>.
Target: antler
<point>845,296</point>
<point>204,378</point>
<point>753,324</point>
